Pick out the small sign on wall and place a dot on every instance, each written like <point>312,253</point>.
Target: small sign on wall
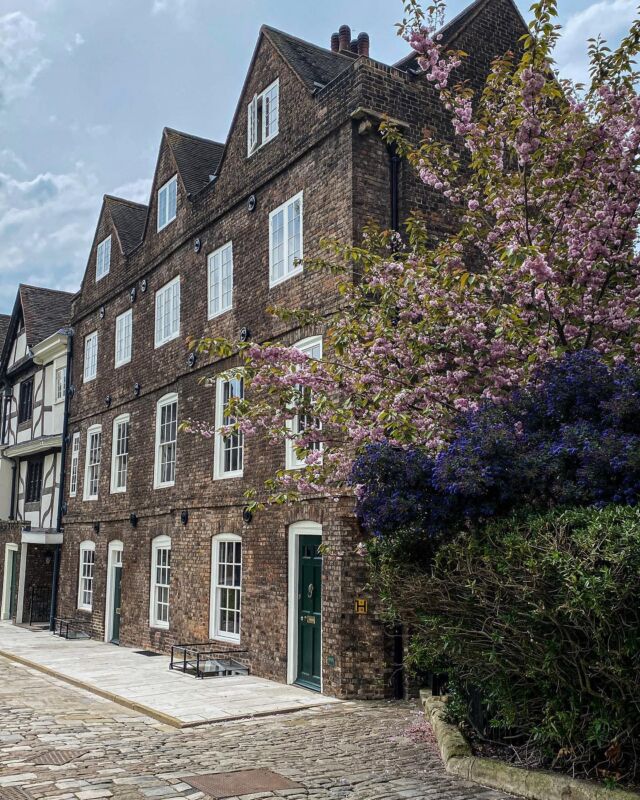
<point>361,605</point>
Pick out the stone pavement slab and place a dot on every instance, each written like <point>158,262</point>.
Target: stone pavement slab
<point>344,751</point>
<point>147,684</point>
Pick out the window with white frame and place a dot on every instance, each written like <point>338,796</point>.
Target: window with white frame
<point>120,454</point>
<point>124,323</point>
<point>263,116</point>
<point>168,312</point>
<point>90,356</point>
<point>166,440</point>
<point>160,582</point>
<point>302,422</point>
<point>75,458</point>
<point>220,280</point>
<point>60,384</point>
<point>167,202</point>
<point>226,582</point>
<point>285,240</point>
<point>103,258</point>
<point>92,463</point>
<point>85,575</point>
<point>228,446</point>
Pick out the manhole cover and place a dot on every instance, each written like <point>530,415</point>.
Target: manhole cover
<point>9,793</point>
<point>146,653</point>
<point>56,757</point>
<point>232,784</point>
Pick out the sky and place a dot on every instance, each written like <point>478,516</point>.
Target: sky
<point>86,87</point>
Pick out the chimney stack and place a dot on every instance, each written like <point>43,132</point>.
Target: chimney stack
<point>363,44</point>
<point>344,38</point>
<point>335,42</point>
<point>354,46</point>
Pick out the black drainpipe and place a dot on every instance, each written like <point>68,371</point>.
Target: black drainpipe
<point>394,175</point>
<point>398,635</point>
<point>14,471</point>
<point>14,461</point>
<point>63,457</point>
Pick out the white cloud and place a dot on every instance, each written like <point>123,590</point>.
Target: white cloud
<point>9,159</point>
<point>78,40</point>
<point>47,222</point>
<point>137,191</point>
<point>20,58</point>
<point>608,18</point>
<point>179,8</point>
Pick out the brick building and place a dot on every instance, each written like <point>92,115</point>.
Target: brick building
<point>34,353</point>
<point>157,550</point>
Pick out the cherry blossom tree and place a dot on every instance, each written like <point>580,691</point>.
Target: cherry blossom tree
<point>542,189</point>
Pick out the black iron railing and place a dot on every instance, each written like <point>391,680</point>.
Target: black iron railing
<point>70,628</point>
<point>39,605</point>
<point>204,661</point>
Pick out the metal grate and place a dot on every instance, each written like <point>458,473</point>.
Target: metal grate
<point>56,757</point>
<point>147,653</point>
<point>233,784</point>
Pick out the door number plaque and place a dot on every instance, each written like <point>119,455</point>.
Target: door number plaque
<point>361,605</point>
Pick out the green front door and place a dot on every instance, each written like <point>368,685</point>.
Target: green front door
<point>309,612</point>
<point>115,625</point>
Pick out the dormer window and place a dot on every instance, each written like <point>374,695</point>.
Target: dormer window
<point>103,258</point>
<point>167,202</point>
<point>262,117</point>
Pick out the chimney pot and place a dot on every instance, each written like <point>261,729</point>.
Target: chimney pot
<point>354,46</point>
<point>344,36</point>
<point>335,42</point>
<point>363,44</point>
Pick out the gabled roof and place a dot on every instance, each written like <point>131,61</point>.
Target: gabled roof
<point>45,311</point>
<point>455,27</point>
<point>5,319</point>
<point>197,159</point>
<point>128,218</point>
<point>313,64</point>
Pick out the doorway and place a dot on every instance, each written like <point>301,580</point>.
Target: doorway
<point>113,602</point>
<point>10,581</point>
<point>305,605</point>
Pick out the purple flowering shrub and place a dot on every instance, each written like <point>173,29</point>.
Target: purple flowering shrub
<point>570,438</point>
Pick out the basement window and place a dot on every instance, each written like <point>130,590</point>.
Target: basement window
<point>263,117</point>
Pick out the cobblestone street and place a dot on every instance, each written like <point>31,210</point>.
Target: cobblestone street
<point>357,751</point>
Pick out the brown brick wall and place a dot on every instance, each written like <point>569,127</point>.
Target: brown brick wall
<point>344,173</point>
<point>10,533</point>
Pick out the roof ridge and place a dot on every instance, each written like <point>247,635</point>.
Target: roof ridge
<point>470,12</point>
<point>193,136</point>
<point>470,9</point>
<point>43,289</point>
<point>266,27</point>
<point>124,200</point>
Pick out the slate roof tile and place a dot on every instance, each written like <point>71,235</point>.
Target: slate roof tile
<point>197,158</point>
<point>128,218</point>
<point>5,319</point>
<point>45,312</point>
<point>315,65</point>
